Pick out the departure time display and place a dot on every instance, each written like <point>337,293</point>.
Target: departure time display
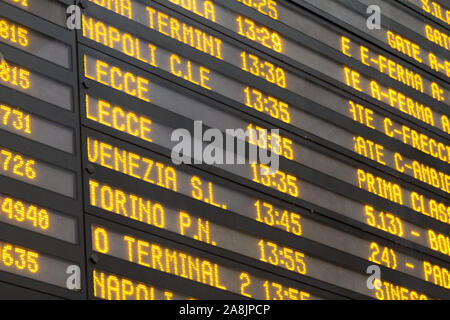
<point>244,149</point>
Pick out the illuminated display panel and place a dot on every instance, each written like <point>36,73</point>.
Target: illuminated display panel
<point>280,43</point>
<point>190,267</point>
<point>370,182</point>
<point>387,64</point>
<point>38,219</point>
<point>358,113</point>
<point>164,216</point>
<point>30,126</point>
<point>109,286</point>
<point>30,41</point>
<point>23,168</point>
<point>111,115</point>
<point>434,34</point>
<point>102,111</point>
<point>22,79</point>
<point>112,157</point>
<point>392,39</point>
<point>50,10</point>
<point>371,57</point>
<point>34,265</point>
<point>434,9</point>
<point>243,86</point>
<point>278,109</point>
<point>183,264</point>
<point>272,73</point>
<point>203,188</point>
<point>114,77</point>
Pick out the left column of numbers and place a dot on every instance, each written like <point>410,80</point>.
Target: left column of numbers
<point>41,220</point>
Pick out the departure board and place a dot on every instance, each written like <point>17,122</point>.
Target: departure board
<point>225,150</point>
